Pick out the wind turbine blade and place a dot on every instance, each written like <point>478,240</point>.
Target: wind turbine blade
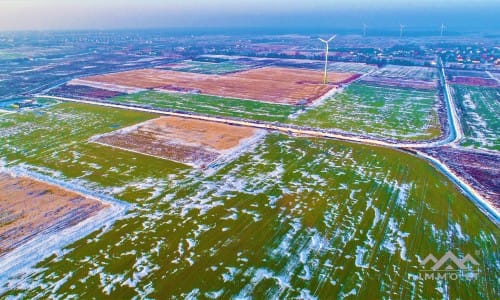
<point>331,38</point>
<point>323,40</point>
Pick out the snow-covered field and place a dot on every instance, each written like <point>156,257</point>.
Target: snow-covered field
<point>410,73</point>
<point>383,112</point>
<point>289,218</point>
<point>20,261</point>
<point>479,114</point>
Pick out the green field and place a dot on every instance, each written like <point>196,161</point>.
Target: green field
<point>207,67</point>
<point>479,110</point>
<point>54,141</point>
<point>383,112</point>
<point>32,51</point>
<point>6,55</point>
<point>294,217</point>
<point>211,105</point>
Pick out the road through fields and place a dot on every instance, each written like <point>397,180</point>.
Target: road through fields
<point>455,135</point>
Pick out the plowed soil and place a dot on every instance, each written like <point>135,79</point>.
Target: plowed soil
<point>270,84</point>
<point>29,207</point>
<point>189,141</point>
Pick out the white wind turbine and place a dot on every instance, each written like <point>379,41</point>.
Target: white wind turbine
<point>443,27</point>
<point>364,29</point>
<point>325,76</point>
<point>401,29</point>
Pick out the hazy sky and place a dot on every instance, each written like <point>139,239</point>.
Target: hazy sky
<point>114,14</point>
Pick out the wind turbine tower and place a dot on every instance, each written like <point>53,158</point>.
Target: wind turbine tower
<point>443,27</point>
<point>401,29</point>
<point>364,29</point>
<point>325,76</point>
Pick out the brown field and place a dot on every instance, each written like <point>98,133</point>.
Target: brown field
<point>293,75</point>
<point>269,84</point>
<point>474,81</point>
<point>188,141</point>
<point>29,207</point>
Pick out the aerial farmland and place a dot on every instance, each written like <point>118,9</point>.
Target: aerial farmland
<point>479,107</point>
<point>183,172</point>
<point>270,84</point>
<point>46,207</point>
<point>386,112</point>
<point>192,142</point>
<point>205,67</point>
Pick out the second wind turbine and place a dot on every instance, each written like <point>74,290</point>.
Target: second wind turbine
<point>325,76</point>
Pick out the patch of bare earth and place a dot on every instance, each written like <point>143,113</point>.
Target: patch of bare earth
<point>29,208</point>
<point>269,84</point>
<point>189,141</point>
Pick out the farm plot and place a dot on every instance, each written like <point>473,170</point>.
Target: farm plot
<point>295,218</point>
<point>472,78</point>
<point>252,62</point>
<point>205,67</point>
<point>12,105</point>
<point>405,77</point>
<point>358,68</point>
<point>54,141</point>
<point>83,92</point>
<point>7,55</point>
<point>479,169</point>
<point>29,208</point>
<point>29,52</point>
<point>105,86</point>
<point>211,105</point>
<point>450,73</point>
<point>383,112</point>
<point>407,72</point>
<point>294,75</point>
<point>401,83</point>
<point>479,109</point>
<point>192,142</point>
<point>275,85</point>
<point>474,81</point>
<point>342,67</point>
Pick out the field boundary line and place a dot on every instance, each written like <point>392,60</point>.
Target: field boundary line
<point>16,265</point>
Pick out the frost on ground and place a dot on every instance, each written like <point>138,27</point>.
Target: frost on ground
<point>383,112</point>
<point>40,215</point>
<point>193,142</point>
<point>294,218</point>
<point>478,109</point>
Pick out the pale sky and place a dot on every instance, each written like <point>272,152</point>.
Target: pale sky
<point>116,14</point>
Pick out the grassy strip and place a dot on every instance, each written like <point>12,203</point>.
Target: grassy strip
<point>211,105</point>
